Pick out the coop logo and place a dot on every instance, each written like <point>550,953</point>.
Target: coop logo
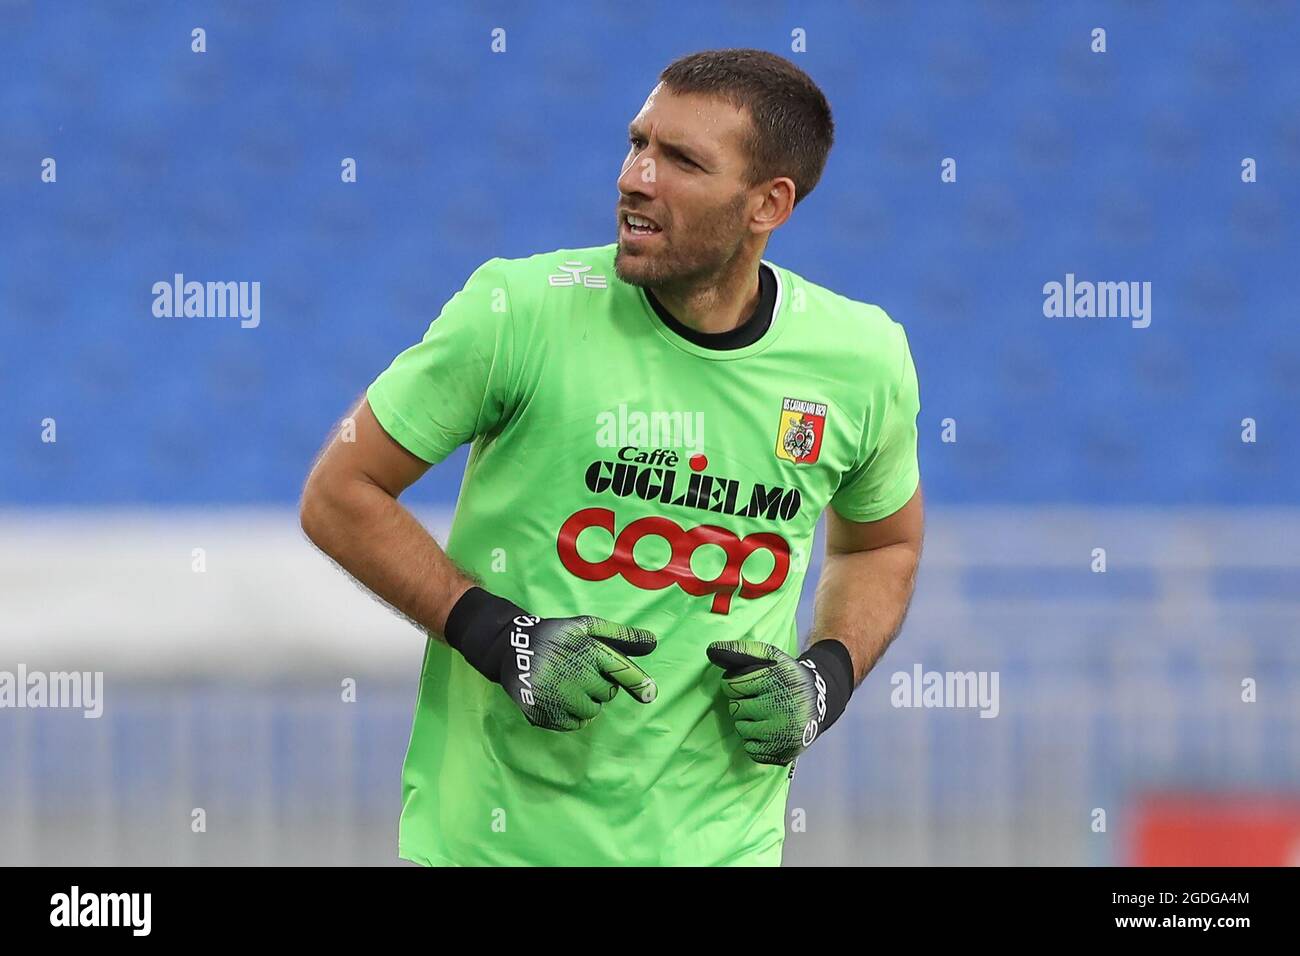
<point>683,542</point>
<point>799,436</point>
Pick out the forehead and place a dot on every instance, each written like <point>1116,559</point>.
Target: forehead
<point>696,119</point>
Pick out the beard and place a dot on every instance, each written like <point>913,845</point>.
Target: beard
<point>687,257</point>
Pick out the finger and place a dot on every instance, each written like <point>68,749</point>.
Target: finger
<point>626,674</point>
<point>742,657</point>
<point>754,684</point>
<point>632,641</point>
<point>758,730</point>
<point>555,719</point>
<point>748,708</point>
<point>759,753</point>
<point>596,686</point>
<point>581,706</point>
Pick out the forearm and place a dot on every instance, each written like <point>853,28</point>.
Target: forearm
<point>862,598</point>
<point>381,544</point>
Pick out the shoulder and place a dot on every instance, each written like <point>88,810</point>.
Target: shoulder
<point>864,331</point>
<point>530,276</point>
<point>548,294</point>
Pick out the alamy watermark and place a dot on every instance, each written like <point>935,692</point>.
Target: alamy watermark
<point>951,689</point>
<point>208,300</point>
<point>127,910</point>
<point>1101,300</point>
<point>72,690</point>
<point>621,428</point>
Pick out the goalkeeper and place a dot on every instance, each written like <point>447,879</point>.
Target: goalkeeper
<point>613,673</point>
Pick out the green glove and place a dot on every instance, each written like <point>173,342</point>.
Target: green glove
<point>781,704</point>
<point>560,671</point>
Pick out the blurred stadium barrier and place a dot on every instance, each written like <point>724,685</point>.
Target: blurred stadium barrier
<point>223,691</point>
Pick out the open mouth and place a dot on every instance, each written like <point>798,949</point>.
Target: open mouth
<point>640,225</point>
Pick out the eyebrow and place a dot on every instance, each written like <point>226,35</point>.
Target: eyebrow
<point>672,149</point>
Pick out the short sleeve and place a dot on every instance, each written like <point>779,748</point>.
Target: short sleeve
<point>456,383</point>
<point>887,473</point>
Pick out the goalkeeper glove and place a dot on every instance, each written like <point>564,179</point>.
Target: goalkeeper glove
<point>781,704</point>
<point>558,670</point>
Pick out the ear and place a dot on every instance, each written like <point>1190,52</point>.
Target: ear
<point>776,205</point>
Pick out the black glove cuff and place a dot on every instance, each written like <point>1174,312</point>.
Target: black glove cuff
<point>477,626</point>
<point>835,664</point>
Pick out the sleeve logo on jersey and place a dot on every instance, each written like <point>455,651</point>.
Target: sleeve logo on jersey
<point>799,437</point>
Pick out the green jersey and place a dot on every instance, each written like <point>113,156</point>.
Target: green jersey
<point>622,469</point>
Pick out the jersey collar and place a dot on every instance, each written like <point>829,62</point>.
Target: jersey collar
<point>752,335</point>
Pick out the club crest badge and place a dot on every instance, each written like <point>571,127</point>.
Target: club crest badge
<point>799,437</point>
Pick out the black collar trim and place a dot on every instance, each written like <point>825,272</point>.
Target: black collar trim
<point>747,333</point>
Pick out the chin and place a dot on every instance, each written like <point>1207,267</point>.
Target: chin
<point>634,270</point>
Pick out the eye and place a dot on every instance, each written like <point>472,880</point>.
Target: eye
<point>633,141</point>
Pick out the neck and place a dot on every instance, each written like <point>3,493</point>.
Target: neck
<point>718,303</point>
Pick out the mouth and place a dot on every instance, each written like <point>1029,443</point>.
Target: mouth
<point>635,226</point>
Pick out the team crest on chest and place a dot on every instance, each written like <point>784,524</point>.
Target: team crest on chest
<point>799,437</point>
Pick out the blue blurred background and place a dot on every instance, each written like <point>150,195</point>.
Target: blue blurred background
<point>177,434</point>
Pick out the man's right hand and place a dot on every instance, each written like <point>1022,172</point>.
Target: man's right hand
<point>558,670</point>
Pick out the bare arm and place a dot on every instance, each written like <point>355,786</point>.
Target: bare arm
<point>350,511</point>
<point>867,580</point>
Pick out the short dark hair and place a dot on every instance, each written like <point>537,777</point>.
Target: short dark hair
<point>791,130</point>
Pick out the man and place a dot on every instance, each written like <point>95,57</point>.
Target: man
<point>657,425</point>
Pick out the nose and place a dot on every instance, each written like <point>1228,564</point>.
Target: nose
<point>638,176</point>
